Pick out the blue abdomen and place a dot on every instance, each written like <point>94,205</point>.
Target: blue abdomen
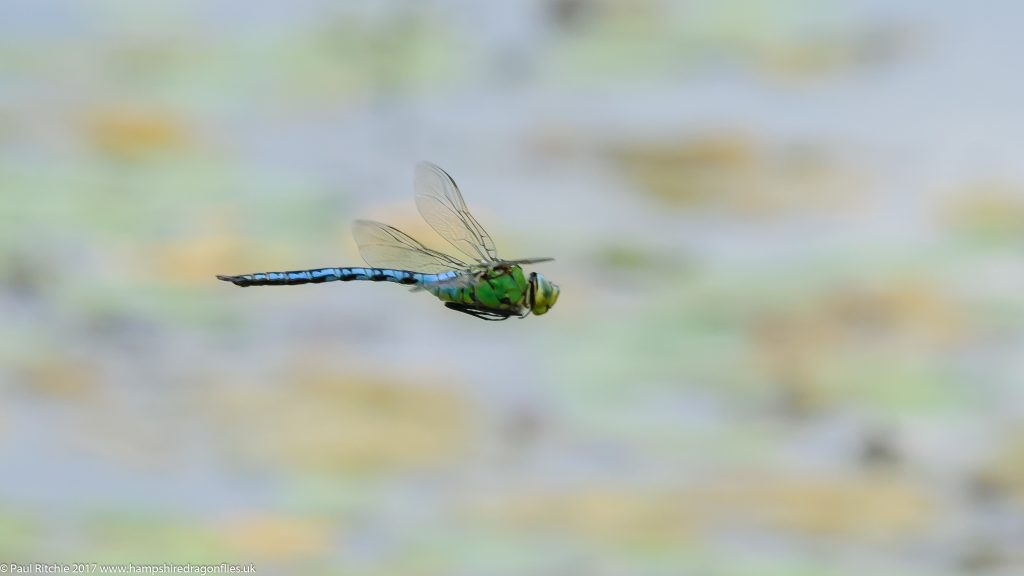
<point>318,275</point>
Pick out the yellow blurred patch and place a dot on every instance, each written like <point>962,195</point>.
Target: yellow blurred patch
<point>988,211</point>
<point>797,347</point>
<point>324,421</point>
<point>1004,474</point>
<point>616,516</point>
<point>613,514</point>
<point>836,52</point>
<point>862,508</point>
<point>129,132</point>
<point>212,248</point>
<point>870,507</point>
<point>198,259</point>
<point>272,538</point>
<point>732,172</point>
<point>909,308</point>
<point>60,377</point>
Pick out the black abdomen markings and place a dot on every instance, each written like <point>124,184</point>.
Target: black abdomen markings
<point>318,275</point>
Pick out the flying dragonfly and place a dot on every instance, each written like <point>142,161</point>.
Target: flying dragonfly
<point>479,284</point>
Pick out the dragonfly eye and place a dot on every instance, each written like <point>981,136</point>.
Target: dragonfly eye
<point>545,294</point>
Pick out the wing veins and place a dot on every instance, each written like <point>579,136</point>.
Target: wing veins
<point>384,246</point>
<point>436,188</point>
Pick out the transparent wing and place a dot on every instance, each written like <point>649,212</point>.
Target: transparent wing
<point>528,261</point>
<point>442,206</point>
<point>383,246</point>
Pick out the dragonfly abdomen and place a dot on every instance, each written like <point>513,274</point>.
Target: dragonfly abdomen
<point>318,275</point>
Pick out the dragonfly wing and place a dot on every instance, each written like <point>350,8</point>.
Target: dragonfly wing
<point>528,261</point>
<point>383,246</point>
<point>441,205</point>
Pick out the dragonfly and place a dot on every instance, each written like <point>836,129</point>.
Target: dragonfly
<point>478,282</point>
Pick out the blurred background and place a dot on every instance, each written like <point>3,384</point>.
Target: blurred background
<point>788,234</point>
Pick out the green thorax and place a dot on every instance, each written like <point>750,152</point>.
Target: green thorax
<point>501,288</point>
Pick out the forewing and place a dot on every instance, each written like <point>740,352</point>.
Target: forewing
<point>528,261</point>
<point>441,205</point>
<point>383,246</point>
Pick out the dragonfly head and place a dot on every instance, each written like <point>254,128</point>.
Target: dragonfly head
<point>543,294</point>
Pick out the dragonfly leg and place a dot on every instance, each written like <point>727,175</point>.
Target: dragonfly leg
<point>480,313</point>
